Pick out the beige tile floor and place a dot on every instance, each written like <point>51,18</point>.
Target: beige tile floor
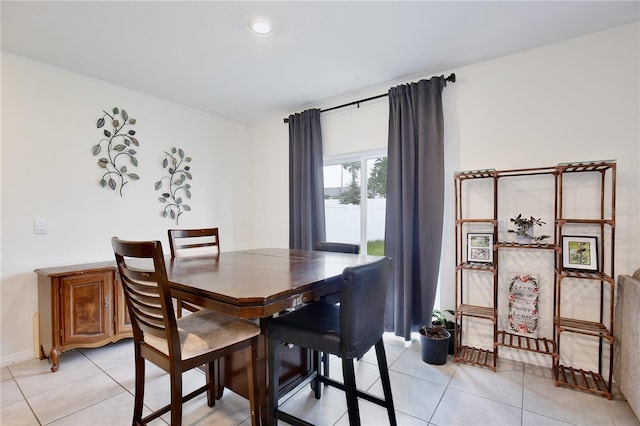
<point>95,387</point>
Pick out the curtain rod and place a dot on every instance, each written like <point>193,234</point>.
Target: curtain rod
<point>451,78</point>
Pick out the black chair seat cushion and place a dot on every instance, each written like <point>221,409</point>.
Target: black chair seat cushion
<point>314,326</point>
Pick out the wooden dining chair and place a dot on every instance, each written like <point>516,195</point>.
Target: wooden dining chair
<point>185,242</point>
<point>347,330</point>
<point>195,241</point>
<point>177,345</point>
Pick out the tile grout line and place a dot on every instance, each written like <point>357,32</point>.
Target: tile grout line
<point>446,388</point>
<point>24,397</point>
<point>405,349</point>
<point>119,384</point>
<point>105,373</point>
<point>101,371</point>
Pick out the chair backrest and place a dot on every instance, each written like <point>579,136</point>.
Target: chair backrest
<point>191,239</point>
<point>146,291</point>
<point>362,304</point>
<point>337,247</point>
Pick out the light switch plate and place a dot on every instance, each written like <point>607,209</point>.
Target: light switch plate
<point>40,226</point>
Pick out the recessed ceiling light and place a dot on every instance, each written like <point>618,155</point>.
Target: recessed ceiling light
<point>260,26</point>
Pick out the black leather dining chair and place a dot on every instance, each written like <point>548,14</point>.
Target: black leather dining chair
<point>347,330</point>
<point>337,247</point>
<point>334,297</point>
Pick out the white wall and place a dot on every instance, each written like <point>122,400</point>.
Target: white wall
<point>569,101</point>
<point>269,162</point>
<point>48,171</point>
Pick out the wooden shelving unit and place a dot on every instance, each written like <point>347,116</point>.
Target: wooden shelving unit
<point>585,380</point>
<point>477,356</point>
<point>599,327</point>
<point>540,345</point>
<point>484,356</point>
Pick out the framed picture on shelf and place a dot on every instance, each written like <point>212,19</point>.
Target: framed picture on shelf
<point>479,248</point>
<point>580,253</point>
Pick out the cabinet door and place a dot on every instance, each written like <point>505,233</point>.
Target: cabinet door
<point>86,307</point>
<point>122,320</point>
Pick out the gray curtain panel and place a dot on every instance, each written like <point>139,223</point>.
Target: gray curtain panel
<point>415,202</point>
<point>306,185</point>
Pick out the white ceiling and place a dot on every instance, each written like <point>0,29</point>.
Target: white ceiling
<point>202,54</point>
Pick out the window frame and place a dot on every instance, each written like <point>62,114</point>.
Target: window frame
<point>362,157</point>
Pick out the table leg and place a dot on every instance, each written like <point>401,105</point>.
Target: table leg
<point>295,364</point>
<point>263,380</point>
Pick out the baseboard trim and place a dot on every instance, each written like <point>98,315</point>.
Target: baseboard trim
<point>14,358</point>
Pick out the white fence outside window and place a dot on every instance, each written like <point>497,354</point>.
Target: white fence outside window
<point>343,220</point>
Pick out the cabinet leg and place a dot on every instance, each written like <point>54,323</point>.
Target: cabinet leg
<point>55,359</point>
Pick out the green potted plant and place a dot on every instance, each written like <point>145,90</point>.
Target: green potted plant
<point>439,317</point>
<point>434,344</point>
<point>524,228</point>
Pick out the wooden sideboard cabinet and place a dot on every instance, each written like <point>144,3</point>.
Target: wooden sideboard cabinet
<point>80,306</point>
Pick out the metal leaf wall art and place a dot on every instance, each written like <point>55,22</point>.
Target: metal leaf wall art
<point>176,181</point>
<point>117,146</point>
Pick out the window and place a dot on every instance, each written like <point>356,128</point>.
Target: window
<point>355,207</point>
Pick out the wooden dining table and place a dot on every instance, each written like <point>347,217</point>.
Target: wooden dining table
<point>257,284</point>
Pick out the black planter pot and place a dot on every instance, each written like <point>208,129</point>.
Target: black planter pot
<point>434,350</point>
<point>452,333</point>
<point>451,340</point>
